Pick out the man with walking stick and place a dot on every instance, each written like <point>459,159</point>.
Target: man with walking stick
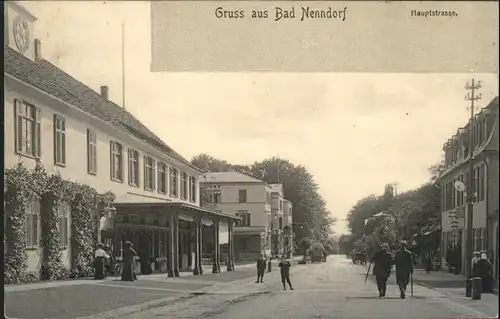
<point>382,268</point>
<point>403,261</point>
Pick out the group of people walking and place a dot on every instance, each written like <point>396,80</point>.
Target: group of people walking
<point>102,260</point>
<point>384,260</point>
<point>284,265</point>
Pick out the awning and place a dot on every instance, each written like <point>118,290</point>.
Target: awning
<point>180,207</point>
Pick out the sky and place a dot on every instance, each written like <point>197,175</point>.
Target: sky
<point>355,132</point>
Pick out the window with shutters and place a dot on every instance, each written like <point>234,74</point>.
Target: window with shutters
<point>64,211</point>
<point>184,186</point>
<point>162,178</point>
<point>31,225</point>
<point>133,167</point>
<point>116,150</point>
<point>59,141</point>
<point>149,173</point>
<point>173,182</point>
<point>91,152</point>
<point>192,193</point>
<point>28,129</point>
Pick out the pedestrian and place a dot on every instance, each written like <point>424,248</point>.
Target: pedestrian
<point>484,270</point>
<point>261,268</point>
<point>382,268</point>
<point>129,255</point>
<point>428,263</point>
<point>100,257</point>
<point>475,258</point>
<point>404,267</point>
<point>285,272</point>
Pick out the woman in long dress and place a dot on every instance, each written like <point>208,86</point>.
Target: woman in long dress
<point>100,257</point>
<point>128,262</point>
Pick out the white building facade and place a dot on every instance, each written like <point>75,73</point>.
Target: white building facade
<point>250,199</point>
<point>87,138</point>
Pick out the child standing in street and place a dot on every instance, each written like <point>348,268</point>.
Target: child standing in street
<point>285,272</point>
<point>261,269</point>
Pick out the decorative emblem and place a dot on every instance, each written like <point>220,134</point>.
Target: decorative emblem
<point>21,33</point>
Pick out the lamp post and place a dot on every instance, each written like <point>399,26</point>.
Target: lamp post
<point>471,96</point>
<point>286,237</point>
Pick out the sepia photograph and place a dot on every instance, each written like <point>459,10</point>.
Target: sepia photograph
<point>187,159</point>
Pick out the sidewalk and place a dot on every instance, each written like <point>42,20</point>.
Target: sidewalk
<point>81,298</point>
<point>453,287</point>
<point>207,269</point>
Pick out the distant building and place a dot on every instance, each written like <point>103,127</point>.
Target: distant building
<point>288,236</point>
<point>250,199</point>
<point>277,208</point>
<point>457,149</point>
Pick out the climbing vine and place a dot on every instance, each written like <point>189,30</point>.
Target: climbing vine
<point>22,187</point>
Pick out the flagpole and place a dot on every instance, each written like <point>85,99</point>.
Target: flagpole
<point>278,167</point>
<point>123,65</point>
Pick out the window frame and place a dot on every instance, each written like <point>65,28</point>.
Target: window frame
<point>21,121</point>
<point>32,219</point>
<point>193,192</point>
<point>149,173</point>
<point>184,186</point>
<point>173,182</point>
<point>133,167</point>
<point>242,199</point>
<point>91,152</point>
<point>162,177</point>
<point>59,125</point>
<point>246,218</point>
<point>116,151</point>
<point>63,215</point>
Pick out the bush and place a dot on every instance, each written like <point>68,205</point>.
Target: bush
<point>23,186</point>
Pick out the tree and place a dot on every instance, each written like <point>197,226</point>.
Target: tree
<point>210,164</point>
<point>345,244</point>
<point>311,218</point>
<point>435,171</point>
<point>364,209</point>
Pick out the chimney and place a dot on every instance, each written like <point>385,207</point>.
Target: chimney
<point>104,92</point>
<point>38,50</point>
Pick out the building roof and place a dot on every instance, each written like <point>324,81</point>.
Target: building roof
<point>229,177</point>
<point>277,188</point>
<point>47,77</point>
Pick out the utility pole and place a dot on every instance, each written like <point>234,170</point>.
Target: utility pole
<point>123,65</point>
<point>471,96</point>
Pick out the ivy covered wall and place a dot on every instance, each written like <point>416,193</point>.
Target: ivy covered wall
<point>22,186</point>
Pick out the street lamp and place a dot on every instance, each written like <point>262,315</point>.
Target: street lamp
<point>286,235</point>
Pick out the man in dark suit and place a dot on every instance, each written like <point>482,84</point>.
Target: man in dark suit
<point>261,268</point>
<point>382,268</point>
<point>403,261</point>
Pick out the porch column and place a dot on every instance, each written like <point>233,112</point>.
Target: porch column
<point>170,248</point>
<point>197,248</point>
<point>218,246</point>
<point>176,246</point>
<point>200,262</point>
<point>215,228</point>
<point>230,264</point>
